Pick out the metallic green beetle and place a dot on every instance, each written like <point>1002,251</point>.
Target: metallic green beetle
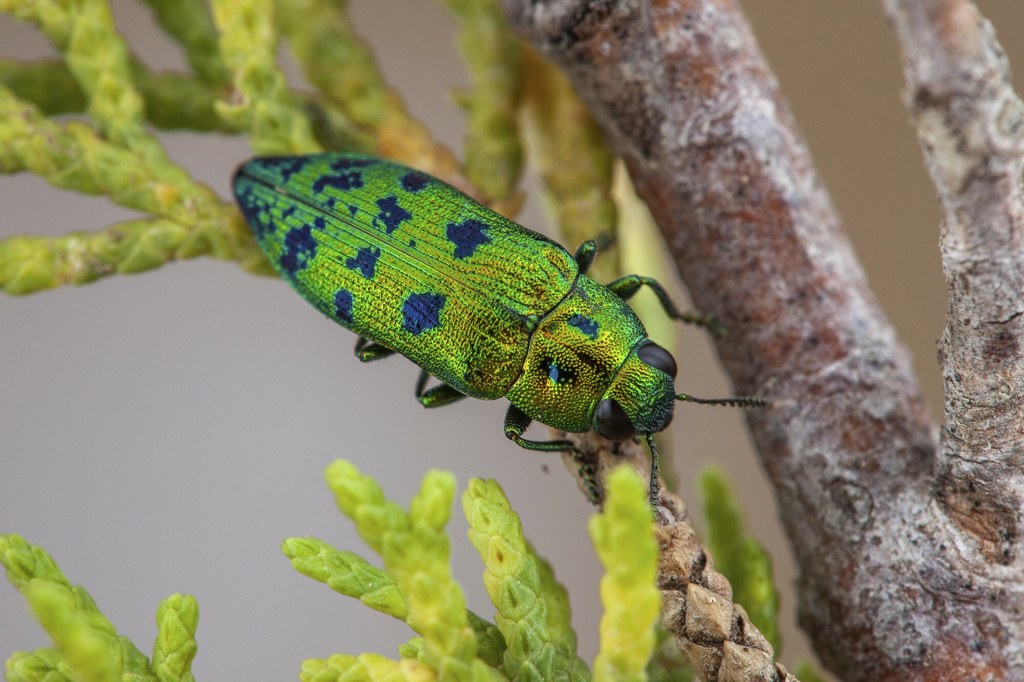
<point>484,305</point>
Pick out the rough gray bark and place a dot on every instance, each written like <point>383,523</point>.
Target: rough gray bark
<point>970,124</point>
<point>910,563</point>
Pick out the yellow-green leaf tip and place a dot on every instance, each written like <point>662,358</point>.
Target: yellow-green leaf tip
<point>365,667</point>
<point>41,665</point>
<point>530,609</point>
<point>86,648</point>
<point>432,507</point>
<point>24,562</point>
<point>624,538</point>
<point>738,555</point>
<point>176,620</point>
<point>26,265</point>
<point>346,573</point>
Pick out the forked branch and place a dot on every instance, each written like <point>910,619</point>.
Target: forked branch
<point>891,586</point>
<point>970,123</point>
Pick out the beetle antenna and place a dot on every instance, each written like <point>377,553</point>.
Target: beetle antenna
<point>653,494</point>
<point>737,401</point>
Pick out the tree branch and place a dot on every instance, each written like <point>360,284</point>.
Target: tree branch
<point>889,588</point>
<point>970,124</point>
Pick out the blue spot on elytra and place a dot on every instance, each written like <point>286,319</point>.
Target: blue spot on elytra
<point>343,181</point>
<point>365,261</point>
<point>299,249</point>
<point>345,163</point>
<point>343,305</point>
<point>287,166</point>
<point>586,325</point>
<point>414,181</point>
<point>421,312</point>
<point>391,214</point>
<point>287,213</point>
<point>467,236</point>
<point>353,209</point>
<point>412,243</point>
<point>256,212</point>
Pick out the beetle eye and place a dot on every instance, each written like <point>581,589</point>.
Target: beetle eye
<point>658,358</point>
<point>612,421</point>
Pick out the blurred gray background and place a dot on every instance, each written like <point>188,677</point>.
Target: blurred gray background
<point>164,432</point>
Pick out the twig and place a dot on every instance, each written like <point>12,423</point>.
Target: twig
<point>714,634</point>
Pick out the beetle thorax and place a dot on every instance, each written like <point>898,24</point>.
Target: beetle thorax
<point>574,355</point>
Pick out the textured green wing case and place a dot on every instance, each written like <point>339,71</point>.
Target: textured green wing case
<point>408,261</point>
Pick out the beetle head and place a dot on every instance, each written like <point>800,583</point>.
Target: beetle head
<point>641,396</point>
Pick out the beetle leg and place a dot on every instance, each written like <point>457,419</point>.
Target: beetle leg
<point>368,351</point>
<point>589,249</point>
<point>587,472</point>
<point>654,489</point>
<point>625,287</point>
<point>585,255</point>
<point>439,395</point>
<point>516,423</point>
